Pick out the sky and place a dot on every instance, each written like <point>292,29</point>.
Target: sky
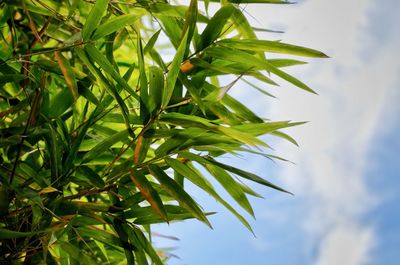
<point>346,173</point>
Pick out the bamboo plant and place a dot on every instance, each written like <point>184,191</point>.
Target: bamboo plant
<point>101,127</point>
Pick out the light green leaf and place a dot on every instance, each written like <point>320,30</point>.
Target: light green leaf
<point>102,61</point>
<point>113,25</point>
<point>246,175</point>
<point>249,59</point>
<point>285,136</point>
<point>231,186</point>
<point>257,129</point>
<point>271,46</point>
<point>94,18</point>
<point>111,89</point>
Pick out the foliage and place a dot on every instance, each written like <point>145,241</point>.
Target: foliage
<point>100,128</point>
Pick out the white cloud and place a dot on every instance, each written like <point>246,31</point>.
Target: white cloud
<point>333,157</point>
<point>345,245</point>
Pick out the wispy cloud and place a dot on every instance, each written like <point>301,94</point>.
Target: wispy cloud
<point>345,245</point>
<point>333,158</point>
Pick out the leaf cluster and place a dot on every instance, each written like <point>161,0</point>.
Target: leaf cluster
<point>100,129</point>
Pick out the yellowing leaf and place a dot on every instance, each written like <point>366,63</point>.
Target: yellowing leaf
<point>148,193</point>
<point>47,190</point>
<point>68,73</point>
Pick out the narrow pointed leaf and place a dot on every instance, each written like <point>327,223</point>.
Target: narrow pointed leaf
<point>102,61</point>
<point>9,234</point>
<point>110,88</point>
<point>249,59</point>
<point>156,88</point>
<point>190,24</point>
<point>246,175</point>
<point>94,18</point>
<point>68,74</point>
<point>105,145</point>
<point>231,186</point>
<point>144,92</point>
<point>214,27</point>
<point>139,238</point>
<point>285,136</point>
<point>149,193</point>
<point>174,71</point>
<point>201,182</point>
<point>113,25</point>
<point>175,190</point>
<point>271,46</point>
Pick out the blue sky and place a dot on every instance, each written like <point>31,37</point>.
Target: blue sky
<point>346,175</point>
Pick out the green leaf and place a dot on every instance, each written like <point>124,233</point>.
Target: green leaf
<point>76,253</point>
<point>9,234</point>
<point>173,29</point>
<point>285,136</point>
<point>156,88</point>
<point>53,152</point>
<point>152,41</point>
<point>140,239</point>
<point>123,236</point>
<point>176,191</point>
<point>174,71</point>
<point>241,136</point>
<point>144,92</point>
<point>94,18</point>
<point>246,175</point>
<point>243,26</point>
<point>104,145</point>
<point>249,59</point>
<point>231,186</point>
<point>271,46</point>
<point>102,61</point>
<point>257,129</point>
<point>68,74</point>
<point>197,179</point>
<point>285,62</point>
<point>113,25</point>
<point>190,120</point>
<point>107,238</point>
<point>214,27</point>
<point>187,120</point>
<point>190,24</point>
<point>7,78</point>
<point>91,176</point>
<point>111,89</point>
<point>148,193</point>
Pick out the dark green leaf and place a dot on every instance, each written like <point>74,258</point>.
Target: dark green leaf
<point>173,188</point>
